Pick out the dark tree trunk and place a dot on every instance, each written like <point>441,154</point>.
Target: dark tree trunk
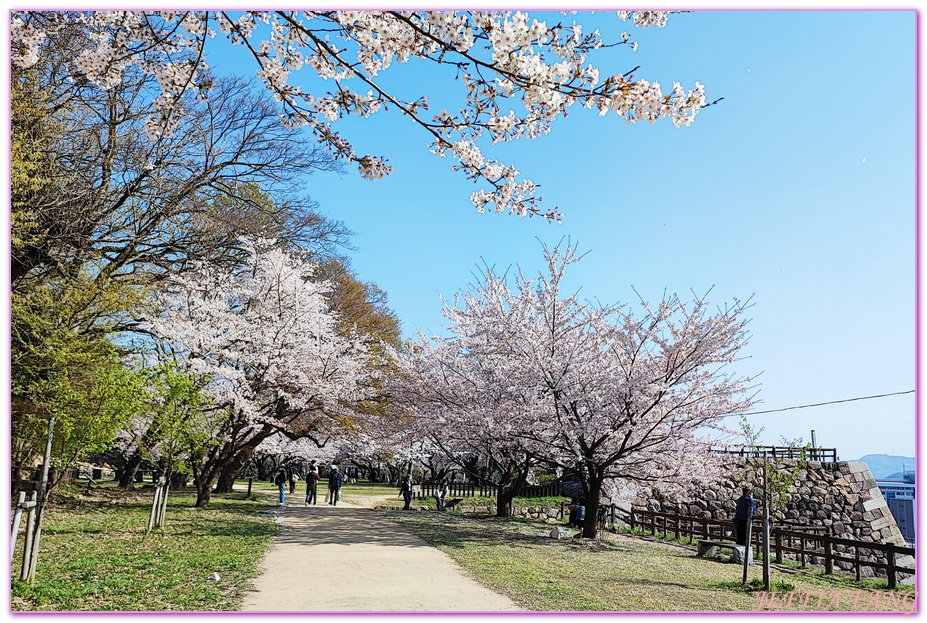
<point>504,502</point>
<point>591,522</point>
<point>127,477</point>
<point>513,478</point>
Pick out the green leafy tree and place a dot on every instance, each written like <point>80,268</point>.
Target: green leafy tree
<point>59,371</point>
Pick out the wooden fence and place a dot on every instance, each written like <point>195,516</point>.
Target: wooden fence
<point>487,489</point>
<point>459,490</point>
<point>805,544</point>
<point>824,455</point>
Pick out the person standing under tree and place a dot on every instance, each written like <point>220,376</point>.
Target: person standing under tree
<point>280,481</point>
<point>312,486</point>
<point>441,494</point>
<point>746,509</point>
<point>405,490</point>
<point>334,485</point>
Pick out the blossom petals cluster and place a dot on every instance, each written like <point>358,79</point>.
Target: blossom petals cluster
<point>264,338</point>
<point>497,56</point>
<point>628,395</point>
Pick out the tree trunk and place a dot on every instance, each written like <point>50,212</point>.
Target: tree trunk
<point>591,524</point>
<point>127,477</point>
<point>504,502</point>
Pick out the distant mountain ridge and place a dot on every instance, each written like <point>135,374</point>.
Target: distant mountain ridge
<point>885,465</point>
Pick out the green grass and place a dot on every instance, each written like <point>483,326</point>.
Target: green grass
<point>96,555</point>
<point>616,573</point>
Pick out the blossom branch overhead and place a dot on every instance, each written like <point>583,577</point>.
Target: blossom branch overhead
<point>498,56</point>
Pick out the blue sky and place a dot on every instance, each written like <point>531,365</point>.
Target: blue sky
<point>797,189</point>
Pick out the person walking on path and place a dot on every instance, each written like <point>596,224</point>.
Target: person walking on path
<point>312,487</point>
<point>441,494</point>
<point>746,509</point>
<point>293,477</point>
<point>405,490</point>
<point>280,481</point>
<point>334,485</point>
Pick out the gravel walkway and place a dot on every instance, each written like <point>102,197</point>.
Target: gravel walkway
<point>348,558</point>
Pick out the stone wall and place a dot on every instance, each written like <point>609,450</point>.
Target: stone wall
<point>843,497</point>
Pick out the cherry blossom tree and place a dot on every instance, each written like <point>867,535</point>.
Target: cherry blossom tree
<point>275,359</point>
<point>597,391</point>
<point>464,404</point>
<point>497,57</point>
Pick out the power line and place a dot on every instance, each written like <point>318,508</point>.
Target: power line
<point>821,404</point>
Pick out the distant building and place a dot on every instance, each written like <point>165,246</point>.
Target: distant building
<point>898,491</point>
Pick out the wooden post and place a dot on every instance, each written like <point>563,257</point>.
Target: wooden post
<point>27,544</point>
<point>250,481</point>
<point>828,557</point>
<point>766,561</point>
<point>612,509</point>
<point>778,549</point>
<point>17,516</point>
<point>748,545</point>
<point>890,555</point>
<point>856,558</point>
<point>154,507</point>
<point>801,548</point>
<point>162,511</point>
<point>40,505</point>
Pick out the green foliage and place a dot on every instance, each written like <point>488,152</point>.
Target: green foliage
<point>182,427</point>
<point>31,165</point>
<point>64,368</point>
<point>751,433</point>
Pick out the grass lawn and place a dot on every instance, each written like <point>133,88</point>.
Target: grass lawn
<point>619,572</point>
<point>95,554</point>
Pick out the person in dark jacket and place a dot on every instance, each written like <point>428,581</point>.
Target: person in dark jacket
<point>280,481</point>
<point>334,485</point>
<point>745,511</point>
<point>405,490</point>
<point>312,484</point>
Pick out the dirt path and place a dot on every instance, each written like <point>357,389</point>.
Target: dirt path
<point>349,558</point>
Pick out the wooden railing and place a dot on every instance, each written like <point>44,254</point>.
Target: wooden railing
<point>488,489</point>
<point>459,490</point>
<point>824,455</point>
<point>806,544</point>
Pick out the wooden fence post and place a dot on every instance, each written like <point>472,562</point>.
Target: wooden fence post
<point>890,556</point>
<point>27,544</point>
<point>748,545</point>
<point>17,516</point>
<point>828,557</point>
<point>778,549</point>
<point>154,507</point>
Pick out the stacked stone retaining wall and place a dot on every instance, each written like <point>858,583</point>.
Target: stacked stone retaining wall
<point>841,496</point>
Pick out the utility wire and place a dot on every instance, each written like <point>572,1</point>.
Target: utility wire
<point>821,404</point>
